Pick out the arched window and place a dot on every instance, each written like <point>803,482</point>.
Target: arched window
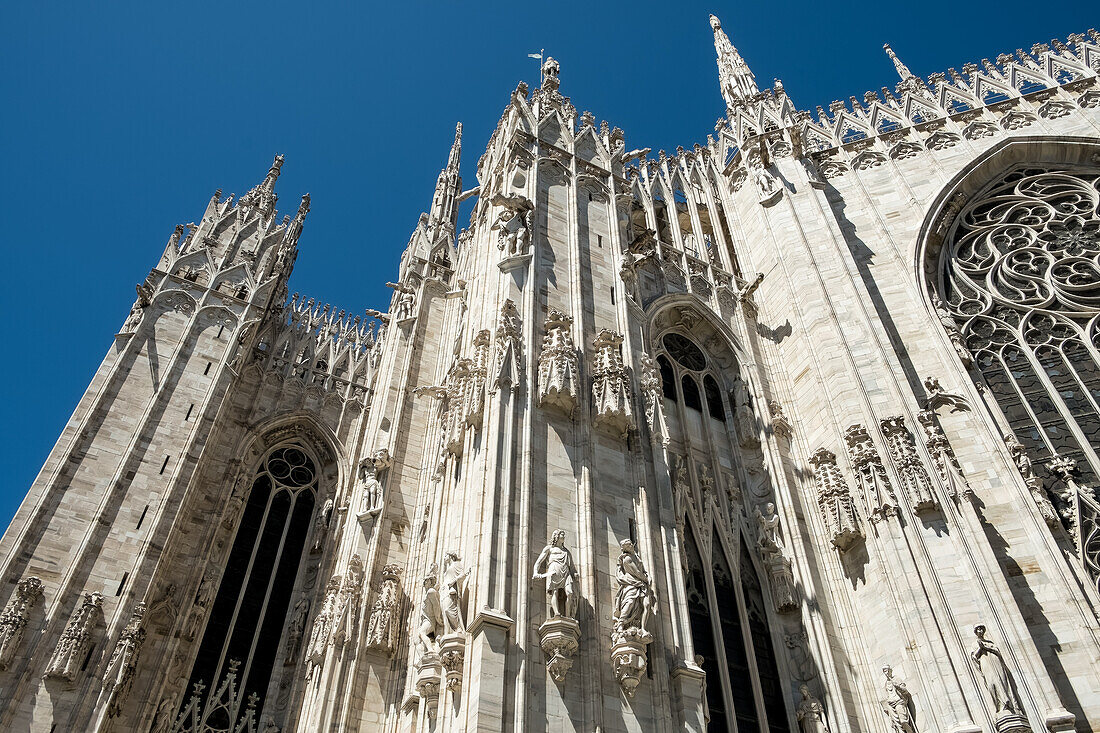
<point>668,378</point>
<point>770,684</point>
<point>714,398</point>
<point>691,393</point>
<point>250,608</point>
<point>1020,276</point>
<point>702,635</point>
<point>733,642</point>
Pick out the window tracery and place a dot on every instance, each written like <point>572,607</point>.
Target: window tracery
<point>1020,275</point>
<point>742,680</point>
<point>249,611</point>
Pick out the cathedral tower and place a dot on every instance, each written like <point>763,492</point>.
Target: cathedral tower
<point>791,430</point>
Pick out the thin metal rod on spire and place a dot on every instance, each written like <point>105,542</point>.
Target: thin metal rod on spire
<point>539,56</point>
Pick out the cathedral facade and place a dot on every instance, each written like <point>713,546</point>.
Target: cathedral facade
<point>794,430</point>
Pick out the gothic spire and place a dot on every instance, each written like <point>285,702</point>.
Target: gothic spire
<point>903,70</point>
<point>456,150</point>
<point>910,82</point>
<point>734,75</point>
<point>263,196</point>
<point>448,185</point>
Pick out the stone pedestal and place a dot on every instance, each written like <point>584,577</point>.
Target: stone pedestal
<point>428,672</point>
<point>628,655</point>
<point>515,262</point>
<point>1008,722</point>
<point>559,638</point>
<point>452,653</point>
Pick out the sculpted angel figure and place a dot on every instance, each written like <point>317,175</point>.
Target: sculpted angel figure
<point>635,598</point>
<point>555,566</point>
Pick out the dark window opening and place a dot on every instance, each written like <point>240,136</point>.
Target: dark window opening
<point>733,642</point>
<point>691,393</point>
<point>771,685</point>
<point>668,378</point>
<point>702,636</point>
<point>714,398</point>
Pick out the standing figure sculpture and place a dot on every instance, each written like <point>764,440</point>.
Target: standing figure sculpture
<point>896,703</point>
<point>555,566</point>
<point>634,599</point>
<point>810,713</point>
<point>454,585</point>
<point>430,626</point>
<point>296,631</point>
<point>370,484</point>
<point>998,680</point>
<point>767,529</point>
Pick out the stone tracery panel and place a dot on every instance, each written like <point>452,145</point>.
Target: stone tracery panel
<point>1020,275</point>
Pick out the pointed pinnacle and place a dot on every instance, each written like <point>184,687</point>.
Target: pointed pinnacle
<point>902,69</point>
<point>456,149</point>
<point>273,173</point>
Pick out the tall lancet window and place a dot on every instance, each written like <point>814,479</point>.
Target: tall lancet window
<point>1019,291</point>
<point>250,609</point>
<point>727,612</point>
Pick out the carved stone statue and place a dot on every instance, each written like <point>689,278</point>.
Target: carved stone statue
<point>204,597</point>
<point>370,483</point>
<point>513,224</point>
<point>454,586</point>
<point>430,624</point>
<point>296,630</point>
<point>778,565</point>
<point>742,406</point>
<point>406,303</point>
<point>897,703</point>
<point>322,624</point>
<point>998,680</point>
<point>634,603</point>
<point>635,598</point>
<point>555,566</point>
<point>628,272</point>
<point>320,525</point>
<point>766,184</point>
<point>948,322</point>
<point>1034,483</point>
<point>119,675</point>
<point>767,529</point>
<point>810,713</point>
<point>75,642</point>
<point>137,311</point>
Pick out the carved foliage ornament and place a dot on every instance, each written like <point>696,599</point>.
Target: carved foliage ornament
<point>385,615</point>
<point>835,500</point>
<point>15,617</point>
<point>611,383</point>
<point>76,639</point>
<point>558,363</point>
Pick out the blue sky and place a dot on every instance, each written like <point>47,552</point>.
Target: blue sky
<point>119,121</point>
